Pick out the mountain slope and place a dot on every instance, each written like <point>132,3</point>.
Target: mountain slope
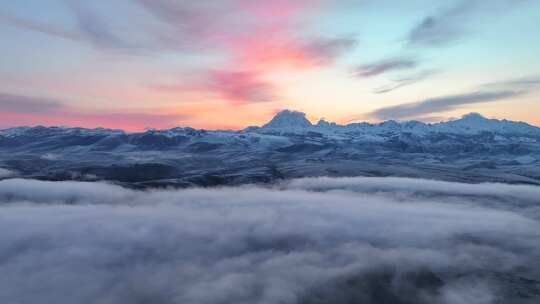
<point>288,119</point>
<point>471,149</point>
<point>472,123</point>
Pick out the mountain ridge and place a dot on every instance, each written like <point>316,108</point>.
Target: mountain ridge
<point>470,149</point>
<point>296,121</point>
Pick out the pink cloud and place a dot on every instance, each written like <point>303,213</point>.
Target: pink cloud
<point>241,86</point>
<point>126,121</point>
<point>275,39</point>
<point>235,86</point>
<point>250,39</point>
<point>290,53</point>
<point>258,38</point>
<point>23,110</point>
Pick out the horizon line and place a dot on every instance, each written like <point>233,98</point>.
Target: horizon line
<point>350,122</point>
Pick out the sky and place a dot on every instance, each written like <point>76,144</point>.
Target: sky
<point>228,64</point>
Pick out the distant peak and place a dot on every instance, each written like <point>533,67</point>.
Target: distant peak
<point>473,116</point>
<point>289,119</point>
<point>287,112</point>
<point>323,123</point>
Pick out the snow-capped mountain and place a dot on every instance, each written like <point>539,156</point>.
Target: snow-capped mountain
<point>472,148</point>
<point>288,119</point>
<point>473,123</point>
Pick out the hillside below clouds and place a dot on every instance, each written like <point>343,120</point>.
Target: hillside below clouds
<point>470,149</point>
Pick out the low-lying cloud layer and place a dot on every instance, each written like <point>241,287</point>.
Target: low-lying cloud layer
<point>321,240</point>
<point>6,173</point>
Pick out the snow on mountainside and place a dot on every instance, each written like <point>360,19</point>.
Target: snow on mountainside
<point>44,131</point>
<point>470,149</point>
<point>473,123</point>
<point>476,123</point>
<point>288,121</point>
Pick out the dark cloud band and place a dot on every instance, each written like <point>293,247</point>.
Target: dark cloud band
<point>385,66</point>
<point>441,104</point>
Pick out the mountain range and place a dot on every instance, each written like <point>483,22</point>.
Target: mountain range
<point>470,149</point>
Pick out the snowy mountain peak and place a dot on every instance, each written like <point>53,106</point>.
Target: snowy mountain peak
<point>288,119</point>
<point>474,123</point>
<point>323,123</point>
<point>473,116</point>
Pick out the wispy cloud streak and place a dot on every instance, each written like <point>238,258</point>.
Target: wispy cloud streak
<point>38,27</point>
<point>25,104</point>
<point>96,31</point>
<point>441,104</point>
<point>529,82</point>
<point>241,86</point>
<point>451,24</point>
<point>19,110</point>
<point>405,81</point>
<point>442,28</point>
<point>385,66</point>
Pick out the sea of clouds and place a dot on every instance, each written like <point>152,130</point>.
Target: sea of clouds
<point>312,240</point>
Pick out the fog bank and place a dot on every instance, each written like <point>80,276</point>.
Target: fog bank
<point>317,240</point>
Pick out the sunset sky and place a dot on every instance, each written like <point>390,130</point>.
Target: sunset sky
<point>135,64</point>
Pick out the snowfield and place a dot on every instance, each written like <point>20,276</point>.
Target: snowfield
<point>471,149</point>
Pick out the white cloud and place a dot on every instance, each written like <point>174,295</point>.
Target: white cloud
<point>328,239</point>
<point>6,173</point>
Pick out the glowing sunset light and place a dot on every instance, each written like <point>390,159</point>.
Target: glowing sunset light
<point>228,64</point>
